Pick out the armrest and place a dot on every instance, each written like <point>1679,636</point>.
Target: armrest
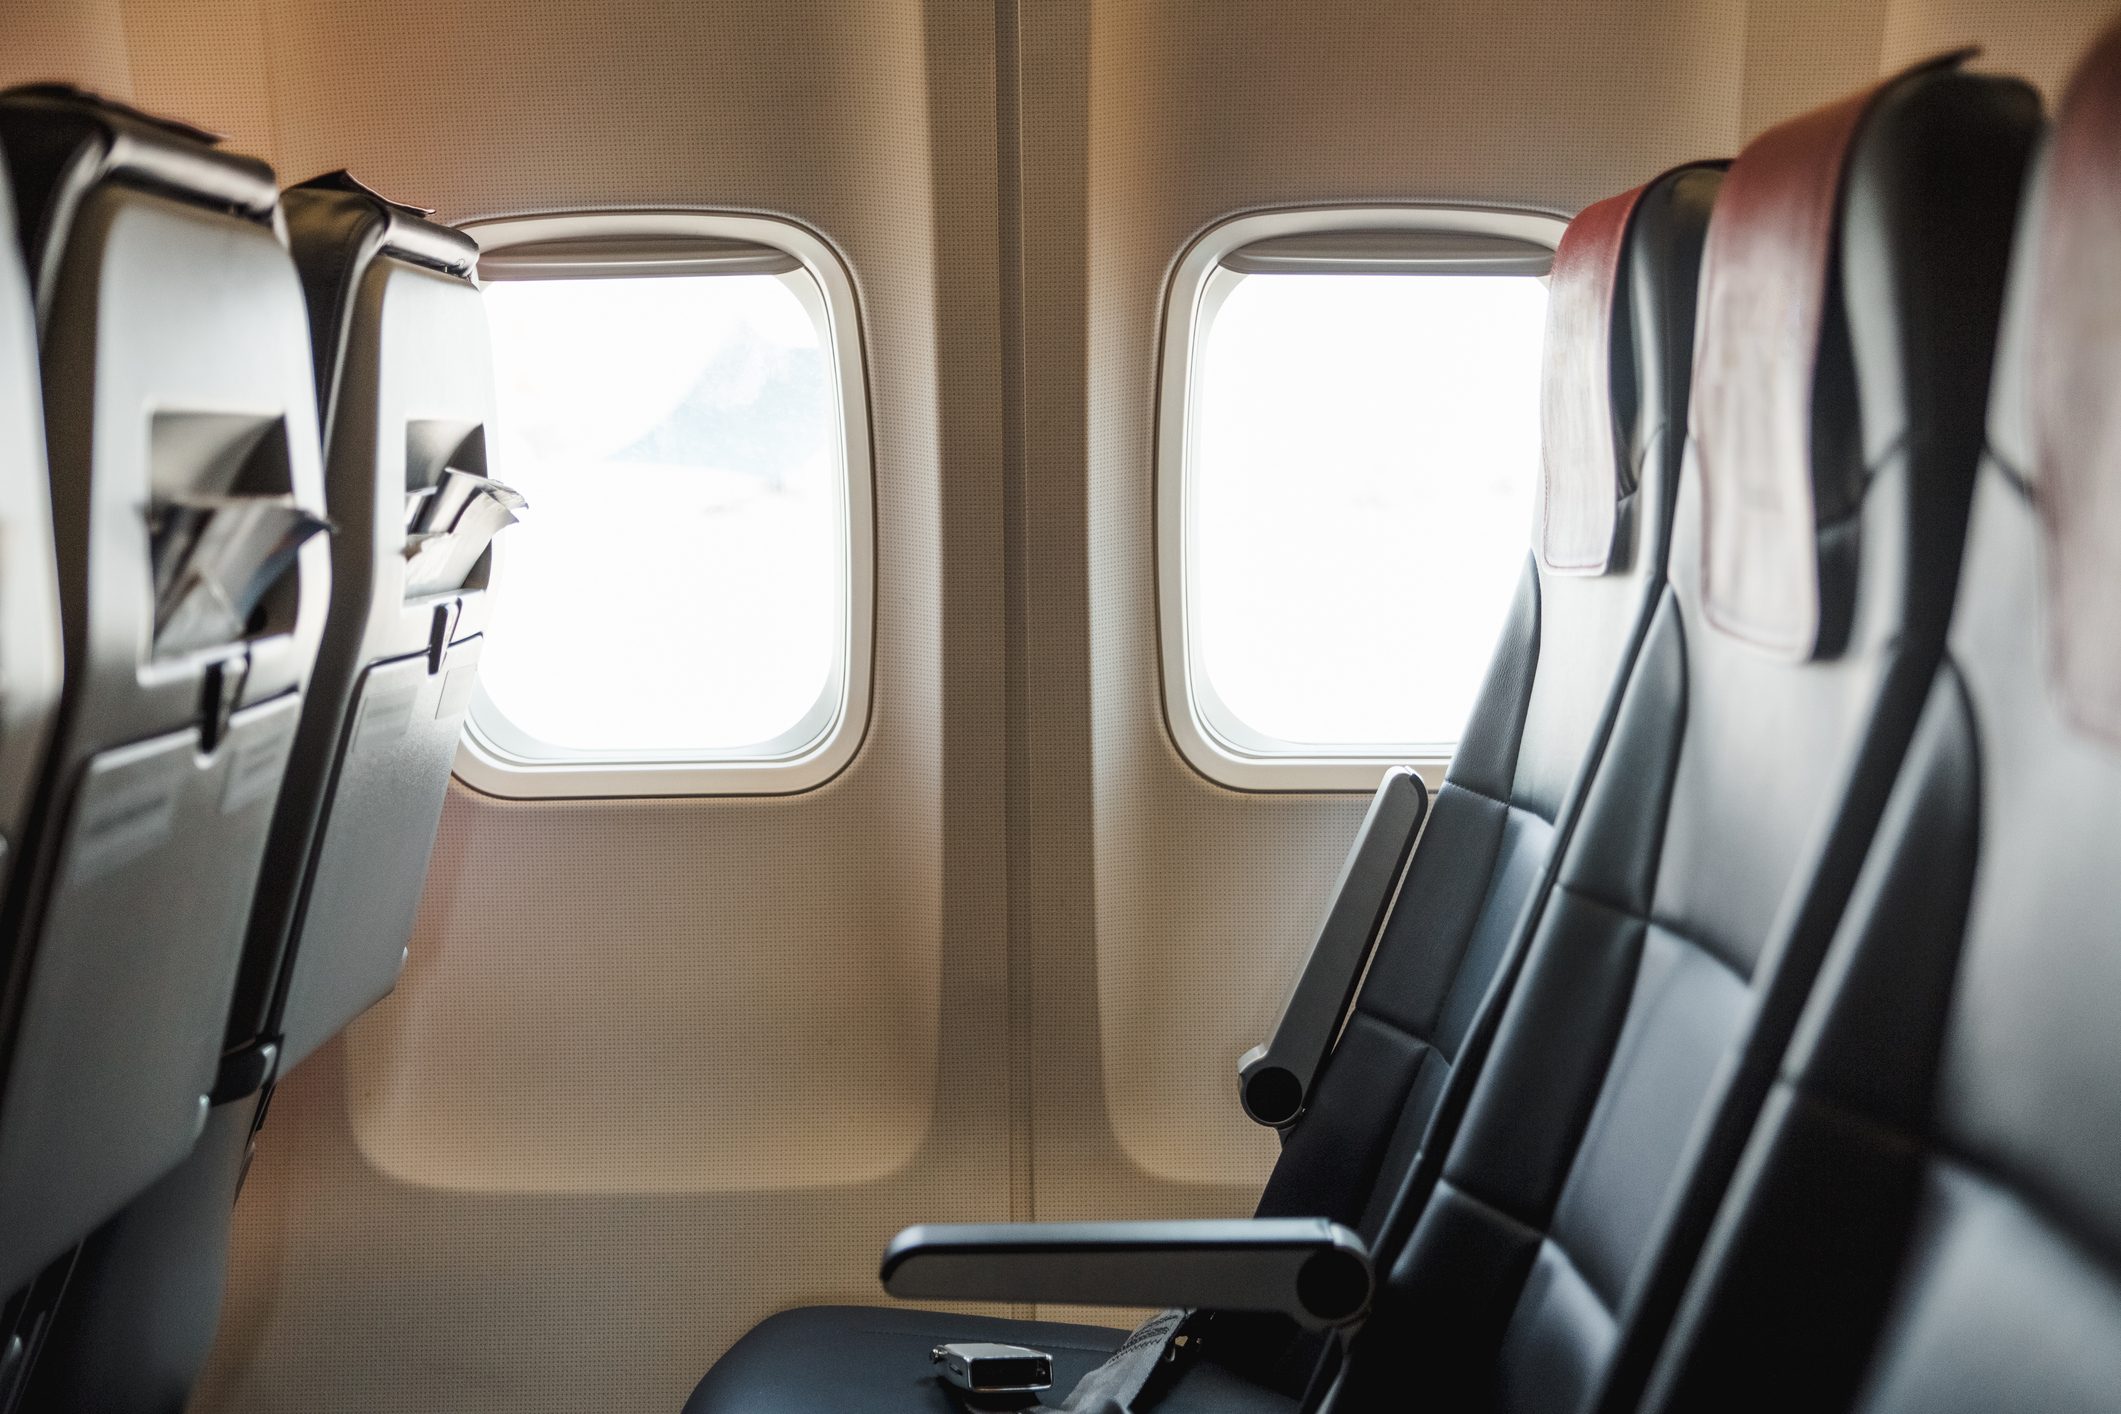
<point>1274,1080</point>
<point>1313,1271</point>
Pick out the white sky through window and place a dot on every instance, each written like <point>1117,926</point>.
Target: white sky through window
<point>678,583</point>
<point>1360,482</point>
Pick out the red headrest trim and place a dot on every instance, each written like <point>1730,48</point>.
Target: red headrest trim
<point>2076,393</point>
<point>1579,488</point>
<point>1763,304</point>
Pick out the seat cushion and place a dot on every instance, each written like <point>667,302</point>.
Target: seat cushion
<point>874,1360</point>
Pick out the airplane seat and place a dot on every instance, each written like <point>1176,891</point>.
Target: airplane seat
<point>1615,381</point>
<point>403,376</point>
<point>1929,1214</point>
<point>29,639</point>
<point>1614,399</point>
<point>405,381</point>
<point>1850,293</point>
<point>186,500</point>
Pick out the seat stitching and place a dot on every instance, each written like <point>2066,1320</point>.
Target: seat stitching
<point>1940,1149</point>
<point>1365,1003</point>
<point>1675,751</point>
<point>1550,1240</point>
<point>1546,1237</point>
<point>2008,470</point>
<point>1651,919</point>
<point>2071,1231</point>
<point>1480,794</point>
<point>1525,1225</point>
<point>1386,1023</point>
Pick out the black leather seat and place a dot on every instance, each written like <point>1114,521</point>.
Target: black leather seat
<point>187,495</point>
<point>1616,387</point>
<point>403,375</point>
<point>1929,1215</point>
<point>1849,296</point>
<point>1617,377</point>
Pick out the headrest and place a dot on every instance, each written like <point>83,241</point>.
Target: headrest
<point>337,226</point>
<point>402,230</point>
<point>1757,363</point>
<point>1580,476</point>
<point>2074,366</point>
<point>62,141</point>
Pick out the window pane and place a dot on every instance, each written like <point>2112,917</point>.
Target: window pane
<point>679,583</point>
<point>1360,477</point>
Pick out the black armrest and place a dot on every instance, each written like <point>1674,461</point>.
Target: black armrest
<point>1311,1270</point>
<point>1274,1080</point>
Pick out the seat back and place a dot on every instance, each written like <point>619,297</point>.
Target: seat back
<point>186,490</point>
<point>1621,320</point>
<point>404,378</point>
<point>400,358</point>
<point>1849,294</point>
<point>29,587</point>
<point>29,639</point>
<point>1929,1214</point>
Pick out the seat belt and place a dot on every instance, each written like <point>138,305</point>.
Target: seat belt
<point>984,1377</point>
<point>1153,1355</point>
<point>1113,1387</point>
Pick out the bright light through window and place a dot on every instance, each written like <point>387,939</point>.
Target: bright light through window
<point>1359,484</point>
<point>678,588</point>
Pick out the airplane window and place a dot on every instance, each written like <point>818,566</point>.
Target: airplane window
<point>678,592</point>
<point>1359,474</point>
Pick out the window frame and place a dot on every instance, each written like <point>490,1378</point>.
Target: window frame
<point>491,767</point>
<point>1192,296</point>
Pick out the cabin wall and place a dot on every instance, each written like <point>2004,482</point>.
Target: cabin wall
<point>1206,897</point>
<point>659,1068</point>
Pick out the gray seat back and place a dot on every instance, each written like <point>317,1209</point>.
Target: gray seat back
<point>29,647</point>
<point>404,376</point>
<point>182,440</point>
<point>29,588</point>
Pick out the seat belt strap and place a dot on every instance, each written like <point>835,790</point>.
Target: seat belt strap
<point>1113,1387</point>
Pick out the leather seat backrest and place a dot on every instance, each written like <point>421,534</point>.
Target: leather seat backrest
<point>182,440</point>
<point>1849,293</point>
<point>1929,1214</point>
<point>404,378</point>
<point>1620,327</point>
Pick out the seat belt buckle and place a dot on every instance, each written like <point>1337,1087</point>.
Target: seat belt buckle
<point>989,1371</point>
